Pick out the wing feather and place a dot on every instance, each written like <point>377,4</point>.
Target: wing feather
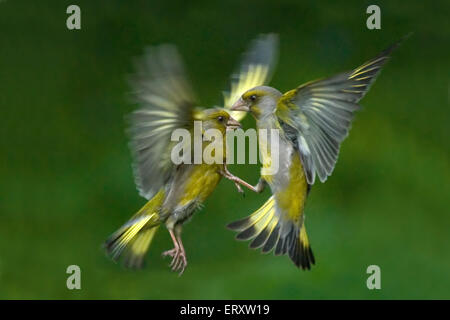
<point>320,113</point>
<point>166,102</point>
<point>256,69</point>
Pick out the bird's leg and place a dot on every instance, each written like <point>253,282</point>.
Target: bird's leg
<point>239,188</point>
<point>182,261</point>
<point>238,181</point>
<point>178,253</point>
<point>226,174</point>
<point>176,248</point>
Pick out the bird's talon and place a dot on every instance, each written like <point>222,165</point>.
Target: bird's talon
<point>178,262</point>
<point>174,262</point>
<point>171,253</point>
<point>239,188</point>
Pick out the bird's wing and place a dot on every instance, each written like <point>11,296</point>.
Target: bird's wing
<point>255,69</point>
<point>166,102</point>
<point>318,114</point>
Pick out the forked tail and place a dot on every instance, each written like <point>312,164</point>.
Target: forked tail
<point>268,230</point>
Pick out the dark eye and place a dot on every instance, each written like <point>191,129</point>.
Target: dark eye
<point>253,97</point>
<point>220,118</point>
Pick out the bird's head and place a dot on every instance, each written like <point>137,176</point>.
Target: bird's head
<point>259,101</point>
<point>217,119</point>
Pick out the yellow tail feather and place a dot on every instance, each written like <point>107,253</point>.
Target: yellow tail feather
<point>268,230</point>
<point>133,239</point>
<point>138,247</point>
<point>262,226</point>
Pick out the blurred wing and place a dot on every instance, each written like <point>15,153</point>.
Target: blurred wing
<point>317,115</point>
<point>255,69</point>
<point>166,102</point>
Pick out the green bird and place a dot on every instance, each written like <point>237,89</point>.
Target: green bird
<point>312,121</point>
<point>175,191</point>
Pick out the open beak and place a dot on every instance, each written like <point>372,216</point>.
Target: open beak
<point>240,105</point>
<point>233,124</point>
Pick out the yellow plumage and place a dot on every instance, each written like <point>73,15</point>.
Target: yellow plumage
<point>312,119</point>
<point>135,236</point>
<point>167,103</point>
<point>202,181</point>
<point>279,223</point>
<point>292,198</point>
<point>256,69</point>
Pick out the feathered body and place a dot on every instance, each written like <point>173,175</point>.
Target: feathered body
<point>167,103</point>
<point>278,223</point>
<point>192,184</point>
<point>185,191</point>
<point>312,121</point>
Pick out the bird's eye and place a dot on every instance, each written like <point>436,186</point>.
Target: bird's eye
<point>253,97</point>
<point>220,118</point>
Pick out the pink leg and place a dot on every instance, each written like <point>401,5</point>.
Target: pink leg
<point>178,253</point>
<point>173,251</point>
<point>238,181</point>
<point>182,261</point>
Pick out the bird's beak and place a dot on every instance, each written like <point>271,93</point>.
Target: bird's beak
<point>233,124</point>
<point>240,105</point>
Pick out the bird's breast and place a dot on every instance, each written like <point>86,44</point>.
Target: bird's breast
<point>201,181</point>
<point>276,161</point>
<point>291,194</point>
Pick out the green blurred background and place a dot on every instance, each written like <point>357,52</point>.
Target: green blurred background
<point>66,180</point>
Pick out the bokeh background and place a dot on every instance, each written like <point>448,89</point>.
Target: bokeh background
<point>66,180</point>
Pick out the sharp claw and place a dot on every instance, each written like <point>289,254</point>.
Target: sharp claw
<point>168,253</point>
<point>173,263</point>
<point>179,261</point>
<point>179,264</point>
<point>240,190</point>
<point>183,264</point>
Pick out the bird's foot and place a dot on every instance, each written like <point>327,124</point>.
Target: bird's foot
<point>239,188</point>
<point>179,261</point>
<point>171,253</point>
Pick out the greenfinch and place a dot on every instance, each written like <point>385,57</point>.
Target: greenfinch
<point>175,191</point>
<point>311,121</point>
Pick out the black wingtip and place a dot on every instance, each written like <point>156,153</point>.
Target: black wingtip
<point>397,44</point>
<point>109,244</point>
<point>260,239</point>
<point>238,225</point>
<point>246,234</point>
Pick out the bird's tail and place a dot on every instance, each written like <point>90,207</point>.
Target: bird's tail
<point>268,230</point>
<point>133,239</point>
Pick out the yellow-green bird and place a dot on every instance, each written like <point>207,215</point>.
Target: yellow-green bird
<point>175,191</point>
<point>312,121</point>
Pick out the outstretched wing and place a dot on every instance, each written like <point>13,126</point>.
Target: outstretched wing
<point>166,102</point>
<point>256,69</point>
<point>317,115</point>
